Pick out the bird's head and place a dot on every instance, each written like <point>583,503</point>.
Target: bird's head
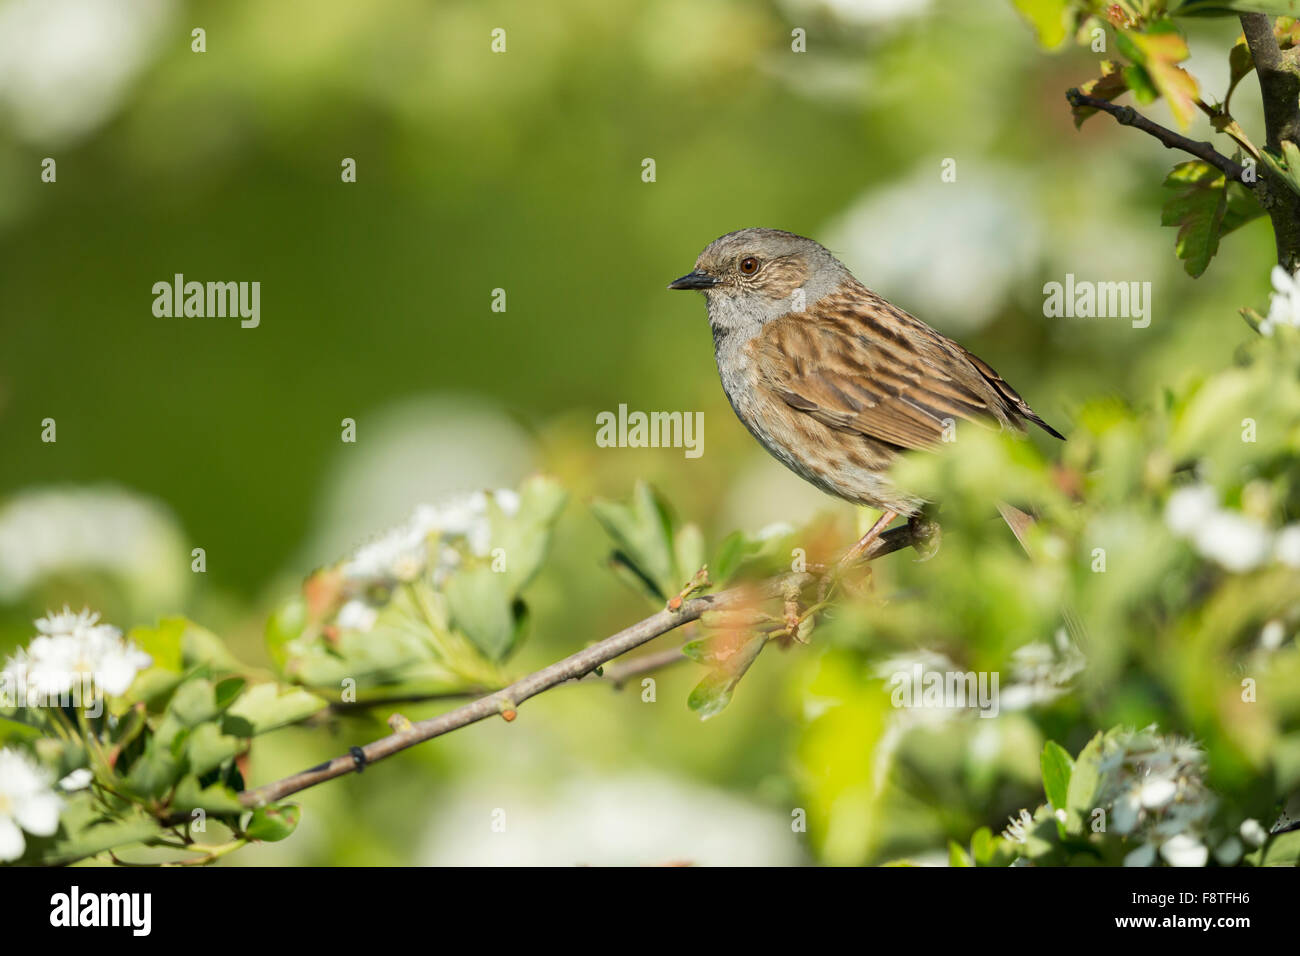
<point>754,275</point>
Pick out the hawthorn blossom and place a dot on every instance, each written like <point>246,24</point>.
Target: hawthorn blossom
<point>27,802</point>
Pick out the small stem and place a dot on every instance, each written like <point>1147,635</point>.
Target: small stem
<point>1127,116</point>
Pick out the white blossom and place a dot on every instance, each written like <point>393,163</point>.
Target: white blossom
<point>1184,850</point>
<point>1189,507</point>
<point>27,802</point>
<point>1154,787</point>
<point>357,615</point>
<point>77,780</point>
<point>1233,540</point>
<point>1017,831</point>
<point>1284,304</point>
<point>426,542</point>
<point>73,651</point>
<point>1287,546</point>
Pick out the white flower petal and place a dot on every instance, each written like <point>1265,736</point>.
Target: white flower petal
<point>38,813</point>
<point>1184,850</point>
<point>77,780</point>
<point>11,840</point>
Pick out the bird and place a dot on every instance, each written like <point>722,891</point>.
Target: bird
<point>835,381</point>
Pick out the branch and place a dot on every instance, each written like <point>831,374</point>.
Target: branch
<point>620,674</point>
<point>1279,85</point>
<point>1127,116</point>
<point>575,666</point>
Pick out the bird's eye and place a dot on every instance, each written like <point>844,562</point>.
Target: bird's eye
<point>748,265</point>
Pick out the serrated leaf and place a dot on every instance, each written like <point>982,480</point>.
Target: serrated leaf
<point>1197,210</point>
<point>1158,51</point>
<point>1057,765</point>
<point>1108,86</point>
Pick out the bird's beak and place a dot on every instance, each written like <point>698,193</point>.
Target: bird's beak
<point>694,280</point>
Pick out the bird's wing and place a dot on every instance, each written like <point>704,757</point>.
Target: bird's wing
<point>862,365</point>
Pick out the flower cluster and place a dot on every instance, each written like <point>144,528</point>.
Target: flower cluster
<point>72,653</point>
<point>1043,671</point>
<point>427,543</point>
<point>1153,788</point>
<point>1229,538</point>
<point>1284,304</point>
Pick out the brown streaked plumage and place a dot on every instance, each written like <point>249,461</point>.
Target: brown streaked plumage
<point>833,380</point>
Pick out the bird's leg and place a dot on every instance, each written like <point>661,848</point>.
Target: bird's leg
<point>859,549</point>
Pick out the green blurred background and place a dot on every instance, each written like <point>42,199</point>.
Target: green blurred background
<point>521,171</point>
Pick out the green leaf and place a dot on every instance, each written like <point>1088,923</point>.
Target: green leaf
<point>207,748</point>
<point>1108,86</point>
<point>1158,51</point>
<point>1198,211</point>
<point>1243,207</point>
<point>524,537</point>
<point>284,626</point>
<point>274,823</point>
<point>481,609</point>
<point>1281,850</point>
<point>155,770</point>
<point>263,708</point>
<point>1286,166</point>
<point>1081,792</point>
<point>711,696</point>
<point>218,798</point>
<point>1228,8</point>
<point>957,855</point>
<point>83,832</point>
<point>1052,20</point>
<point>643,533</point>
<point>1057,766</point>
<point>194,702</point>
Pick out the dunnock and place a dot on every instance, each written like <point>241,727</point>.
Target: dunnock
<point>832,379</point>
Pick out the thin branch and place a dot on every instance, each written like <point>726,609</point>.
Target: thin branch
<point>1127,116</point>
<point>620,674</point>
<point>506,701</point>
<point>502,701</point>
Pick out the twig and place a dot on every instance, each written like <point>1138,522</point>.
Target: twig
<point>1127,116</point>
<point>620,674</point>
<point>505,701</point>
